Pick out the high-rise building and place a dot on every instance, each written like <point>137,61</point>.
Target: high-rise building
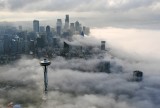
<point>20,28</point>
<point>67,18</point>
<point>86,30</point>
<point>77,26</point>
<point>1,46</point>
<point>36,26</point>
<point>72,28</point>
<point>103,47</point>
<point>7,40</point>
<point>137,75</point>
<point>49,35</point>
<point>42,29</point>
<point>48,29</point>
<point>80,28</point>
<point>59,26</point>
<point>66,26</point>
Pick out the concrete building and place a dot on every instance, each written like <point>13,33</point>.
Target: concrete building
<point>104,66</point>
<point>103,46</point>
<point>77,26</point>
<point>59,27</point>
<point>72,28</point>
<point>86,30</point>
<point>7,44</point>
<point>66,26</point>
<point>20,28</point>
<point>36,26</point>
<point>1,47</point>
<point>48,29</point>
<point>42,29</point>
<point>49,35</point>
<point>137,75</point>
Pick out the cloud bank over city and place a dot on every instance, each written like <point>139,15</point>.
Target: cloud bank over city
<point>123,13</point>
<point>77,89</point>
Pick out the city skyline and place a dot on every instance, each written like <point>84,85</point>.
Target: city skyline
<point>102,53</point>
<point>104,13</point>
<point>42,41</point>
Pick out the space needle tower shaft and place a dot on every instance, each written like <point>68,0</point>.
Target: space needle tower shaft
<point>45,63</point>
<point>45,79</point>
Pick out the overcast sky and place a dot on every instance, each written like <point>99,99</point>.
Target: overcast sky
<point>96,13</point>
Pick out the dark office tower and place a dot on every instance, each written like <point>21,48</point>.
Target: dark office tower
<point>20,28</point>
<point>104,66</point>
<point>36,26</point>
<point>41,41</point>
<point>103,45</point>
<point>137,76</point>
<point>1,46</point>
<point>67,18</point>
<point>59,27</point>
<point>86,30</point>
<point>66,48</point>
<point>77,26</point>
<point>80,28</point>
<point>48,29</point>
<point>66,26</point>
<point>31,47</point>
<point>49,35</point>
<point>56,42</point>
<point>72,28</point>
<point>7,40</point>
<point>42,29</point>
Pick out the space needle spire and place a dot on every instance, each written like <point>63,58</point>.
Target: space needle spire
<point>45,63</point>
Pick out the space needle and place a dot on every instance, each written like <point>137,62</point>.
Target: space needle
<point>45,63</point>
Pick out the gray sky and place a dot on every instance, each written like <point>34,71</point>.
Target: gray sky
<point>96,13</point>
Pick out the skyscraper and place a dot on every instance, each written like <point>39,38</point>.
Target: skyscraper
<point>77,26</point>
<point>48,30</point>
<point>59,26</point>
<point>42,29</point>
<point>49,35</point>
<point>86,30</point>
<point>103,47</point>
<point>72,28</point>
<point>66,26</point>
<point>20,28</point>
<point>36,26</point>
<point>1,46</point>
<point>67,18</point>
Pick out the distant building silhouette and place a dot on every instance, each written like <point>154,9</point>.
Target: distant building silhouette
<point>103,46</point>
<point>42,29</point>
<point>77,26</point>
<point>104,66</point>
<point>137,75</point>
<point>72,28</point>
<point>36,26</point>
<point>66,48</point>
<point>49,35</point>
<point>20,28</point>
<point>66,26</point>
<point>59,27</point>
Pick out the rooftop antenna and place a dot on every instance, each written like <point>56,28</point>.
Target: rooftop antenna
<point>45,63</point>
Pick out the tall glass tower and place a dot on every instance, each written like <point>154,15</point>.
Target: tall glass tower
<point>36,26</point>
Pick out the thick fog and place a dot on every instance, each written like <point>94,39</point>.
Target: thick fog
<point>71,87</point>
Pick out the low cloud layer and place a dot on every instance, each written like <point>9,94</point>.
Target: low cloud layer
<point>23,83</point>
<point>71,87</point>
